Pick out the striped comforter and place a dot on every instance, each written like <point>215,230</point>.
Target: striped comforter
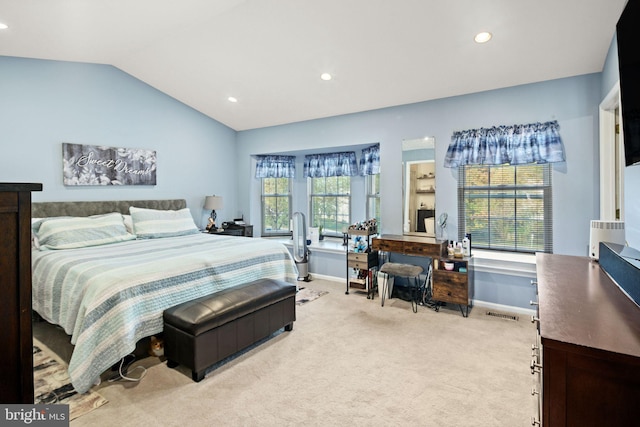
<point>109,297</point>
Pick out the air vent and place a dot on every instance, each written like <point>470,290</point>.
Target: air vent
<point>502,315</point>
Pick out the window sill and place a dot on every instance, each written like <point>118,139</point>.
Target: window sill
<point>328,244</point>
<point>511,263</point>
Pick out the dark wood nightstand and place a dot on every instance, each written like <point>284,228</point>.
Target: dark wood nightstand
<point>236,230</point>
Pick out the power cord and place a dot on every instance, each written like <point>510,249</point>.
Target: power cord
<point>123,370</point>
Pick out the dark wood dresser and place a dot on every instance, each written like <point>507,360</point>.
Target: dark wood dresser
<point>587,355</point>
<point>16,357</point>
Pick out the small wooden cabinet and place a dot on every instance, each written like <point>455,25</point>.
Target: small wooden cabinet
<point>16,357</point>
<point>361,265</point>
<point>453,286</point>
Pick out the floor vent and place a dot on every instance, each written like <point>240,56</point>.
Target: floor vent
<point>502,315</point>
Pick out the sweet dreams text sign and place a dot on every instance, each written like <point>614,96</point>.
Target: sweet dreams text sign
<point>97,165</point>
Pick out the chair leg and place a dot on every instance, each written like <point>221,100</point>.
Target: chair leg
<point>414,294</point>
<point>385,283</point>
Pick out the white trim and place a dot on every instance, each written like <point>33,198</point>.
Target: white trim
<point>607,144</point>
<point>508,263</point>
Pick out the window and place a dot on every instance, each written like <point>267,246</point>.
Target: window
<point>276,206</point>
<point>373,197</point>
<point>330,199</point>
<point>506,207</point>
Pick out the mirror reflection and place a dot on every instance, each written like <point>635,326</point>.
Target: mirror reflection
<point>419,186</point>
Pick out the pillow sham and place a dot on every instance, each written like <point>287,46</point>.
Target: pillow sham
<point>128,223</point>
<point>154,224</point>
<point>80,232</point>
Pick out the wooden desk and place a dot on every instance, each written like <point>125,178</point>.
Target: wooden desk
<point>410,245</point>
<point>447,286</point>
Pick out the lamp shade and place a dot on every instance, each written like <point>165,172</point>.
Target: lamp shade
<point>213,203</point>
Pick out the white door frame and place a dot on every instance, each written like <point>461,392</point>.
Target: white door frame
<point>608,156</point>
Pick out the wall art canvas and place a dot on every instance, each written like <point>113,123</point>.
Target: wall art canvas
<point>97,165</point>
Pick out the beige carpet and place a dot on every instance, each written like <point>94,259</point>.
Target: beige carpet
<point>348,361</point>
<point>52,385</point>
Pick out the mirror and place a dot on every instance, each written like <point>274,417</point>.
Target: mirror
<point>419,186</point>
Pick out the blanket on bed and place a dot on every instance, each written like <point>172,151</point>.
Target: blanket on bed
<point>109,297</point>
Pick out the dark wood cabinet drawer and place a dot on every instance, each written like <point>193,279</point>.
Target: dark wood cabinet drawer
<point>450,287</point>
<point>387,245</point>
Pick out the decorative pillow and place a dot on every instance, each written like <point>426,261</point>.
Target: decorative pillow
<point>34,240</point>
<point>128,223</point>
<point>153,224</point>
<point>80,232</point>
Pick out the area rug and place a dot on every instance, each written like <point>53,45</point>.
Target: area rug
<point>306,295</point>
<point>52,385</point>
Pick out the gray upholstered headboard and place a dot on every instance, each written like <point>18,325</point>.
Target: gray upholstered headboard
<point>51,209</point>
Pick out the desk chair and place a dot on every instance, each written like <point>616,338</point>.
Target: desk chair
<point>402,270</point>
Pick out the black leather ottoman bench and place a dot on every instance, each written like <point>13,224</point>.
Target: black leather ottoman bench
<point>202,332</point>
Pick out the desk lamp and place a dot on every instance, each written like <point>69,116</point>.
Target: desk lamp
<point>213,203</point>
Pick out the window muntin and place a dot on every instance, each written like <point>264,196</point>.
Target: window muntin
<point>373,197</point>
<point>506,207</point>
<point>276,206</point>
<point>330,204</point>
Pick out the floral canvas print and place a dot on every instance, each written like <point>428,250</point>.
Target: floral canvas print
<point>97,165</point>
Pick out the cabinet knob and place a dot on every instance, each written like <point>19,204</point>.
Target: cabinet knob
<point>535,422</point>
<point>534,282</point>
<point>535,319</point>
<point>534,391</point>
<point>533,302</point>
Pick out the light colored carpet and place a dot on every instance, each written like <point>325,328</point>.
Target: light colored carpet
<point>348,361</point>
<point>52,386</point>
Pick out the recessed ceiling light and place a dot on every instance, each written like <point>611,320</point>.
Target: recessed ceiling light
<point>326,76</point>
<point>483,37</point>
<point>3,26</point>
<point>232,99</point>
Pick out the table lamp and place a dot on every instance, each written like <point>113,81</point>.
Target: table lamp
<point>213,203</point>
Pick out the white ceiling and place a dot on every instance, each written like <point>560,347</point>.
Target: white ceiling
<point>269,54</point>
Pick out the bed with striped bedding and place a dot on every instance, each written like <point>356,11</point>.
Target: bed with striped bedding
<point>110,296</point>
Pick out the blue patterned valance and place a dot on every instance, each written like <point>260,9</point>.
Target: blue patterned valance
<point>514,145</point>
<point>276,167</point>
<point>370,160</point>
<point>330,164</point>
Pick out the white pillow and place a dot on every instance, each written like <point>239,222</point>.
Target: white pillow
<point>79,232</point>
<point>153,224</point>
<point>128,223</point>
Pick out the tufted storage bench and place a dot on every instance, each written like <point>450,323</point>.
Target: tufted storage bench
<point>202,332</point>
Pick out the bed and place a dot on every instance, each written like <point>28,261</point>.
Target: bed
<point>110,295</point>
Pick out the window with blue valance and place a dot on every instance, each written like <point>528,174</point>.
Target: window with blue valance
<point>330,164</point>
<point>276,166</point>
<point>370,160</point>
<point>513,145</point>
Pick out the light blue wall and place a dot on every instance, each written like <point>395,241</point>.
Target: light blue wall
<point>45,103</point>
<point>610,73</point>
<point>611,76</point>
<point>572,101</point>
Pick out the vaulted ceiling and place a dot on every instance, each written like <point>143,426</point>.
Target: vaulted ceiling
<point>269,54</point>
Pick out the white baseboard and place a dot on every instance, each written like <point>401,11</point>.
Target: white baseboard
<point>476,303</point>
<point>504,308</point>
